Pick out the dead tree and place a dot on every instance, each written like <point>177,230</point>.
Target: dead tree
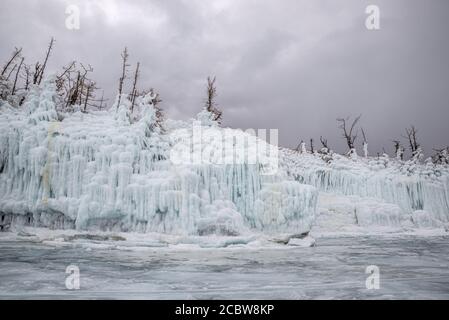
<point>211,104</point>
<point>89,93</point>
<point>125,64</point>
<point>324,143</point>
<point>44,65</point>
<point>15,54</point>
<point>348,133</point>
<point>312,149</point>
<point>398,150</point>
<point>75,86</point>
<point>411,136</point>
<point>61,79</point>
<point>134,89</point>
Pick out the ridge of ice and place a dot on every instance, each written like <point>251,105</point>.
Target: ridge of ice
<point>112,170</point>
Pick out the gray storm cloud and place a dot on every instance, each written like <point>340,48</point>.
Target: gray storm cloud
<point>291,65</point>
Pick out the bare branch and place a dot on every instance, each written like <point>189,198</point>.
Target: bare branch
<point>15,54</point>
<point>324,142</point>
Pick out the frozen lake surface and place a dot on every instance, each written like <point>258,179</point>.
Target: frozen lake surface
<point>410,268</point>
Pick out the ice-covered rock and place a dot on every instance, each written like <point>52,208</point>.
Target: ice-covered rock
<point>116,170</point>
<point>391,190</point>
<point>302,242</point>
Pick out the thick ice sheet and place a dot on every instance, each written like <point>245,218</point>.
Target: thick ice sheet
<point>410,268</point>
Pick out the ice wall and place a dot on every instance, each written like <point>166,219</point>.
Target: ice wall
<point>416,189</point>
<point>112,170</point>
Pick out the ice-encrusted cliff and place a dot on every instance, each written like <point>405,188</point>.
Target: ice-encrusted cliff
<point>116,171</point>
<point>376,190</point>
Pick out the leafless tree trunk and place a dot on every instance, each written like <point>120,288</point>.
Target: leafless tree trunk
<point>27,77</point>
<point>348,133</point>
<point>17,76</point>
<point>411,136</point>
<point>312,150</point>
<point>211,104</point>
<point>37,70</point>
<point>89,89</point>
<point>27,82</point>
<point>398,150</point>
<point>134,89</point>
<point>125,64</point>
<point>42,70</point>
<point>101,100</point>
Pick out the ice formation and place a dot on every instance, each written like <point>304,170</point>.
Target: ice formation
<point>118,171</point>
<point>380,191</point>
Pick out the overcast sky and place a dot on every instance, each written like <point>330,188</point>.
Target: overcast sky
<point>290,64</point>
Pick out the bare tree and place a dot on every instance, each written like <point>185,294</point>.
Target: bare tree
<point>76,88</point>
<point>348,132</point>
<point>90,87</point>
<point>312,149</point>
<point>411,136</point>
<point>47,55</point>
<point>324,143</point>
<point>125,64</point>
<point>211,104</point>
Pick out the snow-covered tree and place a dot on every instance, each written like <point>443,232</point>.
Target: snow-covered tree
<point>398,150</point>
<point>365,144</point>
